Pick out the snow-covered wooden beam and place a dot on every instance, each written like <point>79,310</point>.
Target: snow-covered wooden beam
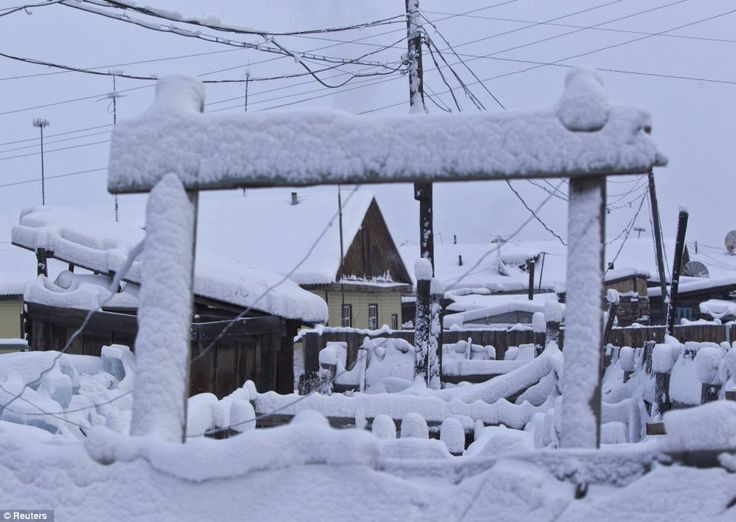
<point>582,135</point>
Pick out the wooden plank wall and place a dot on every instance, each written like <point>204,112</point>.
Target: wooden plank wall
<point>255,348</point>
<point>502,339</point>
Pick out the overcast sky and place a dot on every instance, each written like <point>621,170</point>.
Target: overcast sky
<point>684,76</point>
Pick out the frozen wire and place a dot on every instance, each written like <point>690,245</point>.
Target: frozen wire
<point>535,215</point>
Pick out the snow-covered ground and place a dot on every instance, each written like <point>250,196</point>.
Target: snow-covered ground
<point>64,445</point>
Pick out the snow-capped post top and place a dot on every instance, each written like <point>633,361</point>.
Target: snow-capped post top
<point>552,311</point>
<point>423,269</point>
<point>582,135</point>
<point>178,95</point>
<point>584,105</point>
<point>612,296</point>
<point>538,323</point>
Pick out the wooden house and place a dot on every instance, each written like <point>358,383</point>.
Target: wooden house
<point>353,262</point>
<point>259,346</point>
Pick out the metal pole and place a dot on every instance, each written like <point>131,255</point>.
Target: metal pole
<point>658,240</point>
<point>41,124</point>
<point>43,174</point>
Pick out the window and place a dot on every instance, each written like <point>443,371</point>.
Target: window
<point>347,316</point>
<point>373,316</point>
<point>683,312</point>
<point>394,321</point>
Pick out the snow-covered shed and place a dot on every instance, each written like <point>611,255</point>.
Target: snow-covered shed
<point>259,346</point>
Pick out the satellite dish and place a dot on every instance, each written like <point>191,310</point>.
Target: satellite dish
<point>731,242</point>
<point>695,269</point>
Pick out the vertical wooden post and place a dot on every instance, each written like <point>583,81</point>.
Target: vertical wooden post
<point>539,327</point>
<point>676,266</point>
<point>530,268</point>
<point>658,241</point>
<point>434,359</point>
<point>42,262</point>
<point>163,343</point>
<point>422,326</point>
<point>581,388</point>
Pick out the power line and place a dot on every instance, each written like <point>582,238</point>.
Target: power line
<point>153,12</point>
<point>57,150</point>
<point>275,47</point>
<point>544,64</point>
<point>604,29</point>
<point>534,214</point>
<point>11,10</point>
<point>57,134</point>
<point>47,142</point>
<point>65,175</point>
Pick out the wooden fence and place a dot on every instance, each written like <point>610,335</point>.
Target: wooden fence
<point>502,339</point>
<point>254,348</point>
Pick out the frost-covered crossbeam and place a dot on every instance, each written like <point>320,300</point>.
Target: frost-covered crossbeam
<point>582,135</point>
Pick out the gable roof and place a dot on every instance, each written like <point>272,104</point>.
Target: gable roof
<point>265,230</point>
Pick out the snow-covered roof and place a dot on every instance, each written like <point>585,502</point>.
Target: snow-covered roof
<point>582,134</point>
<point>497,272</point>
<point>697,284</point>
<point>102,246</point>
<point>17,265</point>
<point>718,308</point>
<point>474,307</point>
<point>267,231</point>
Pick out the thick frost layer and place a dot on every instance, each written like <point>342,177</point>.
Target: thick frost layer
<point>164,316</point>
<point>583,317</point>
<point>302,148</point>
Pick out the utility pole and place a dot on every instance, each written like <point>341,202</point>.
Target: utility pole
<point>658,239</point>
<point>114,96</point>
<point>42,123</point>
<point>676,266</point>
<point>427,321</point>
<point>342,254</point>
<point>422,190</point>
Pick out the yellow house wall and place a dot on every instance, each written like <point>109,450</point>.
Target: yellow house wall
<point>10,310</point>
<point>388,301</point>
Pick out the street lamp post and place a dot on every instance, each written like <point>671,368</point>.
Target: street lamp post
<point>42,123</point>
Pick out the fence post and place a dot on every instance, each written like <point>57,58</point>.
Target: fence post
<point>707,361</point>
<point>434,376</point>
<point>422,326</point>
<point>553,318</point>
<point>581,382</point>
<point>662,363</point>
<point>539,328</point>
<point>163,342</point>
